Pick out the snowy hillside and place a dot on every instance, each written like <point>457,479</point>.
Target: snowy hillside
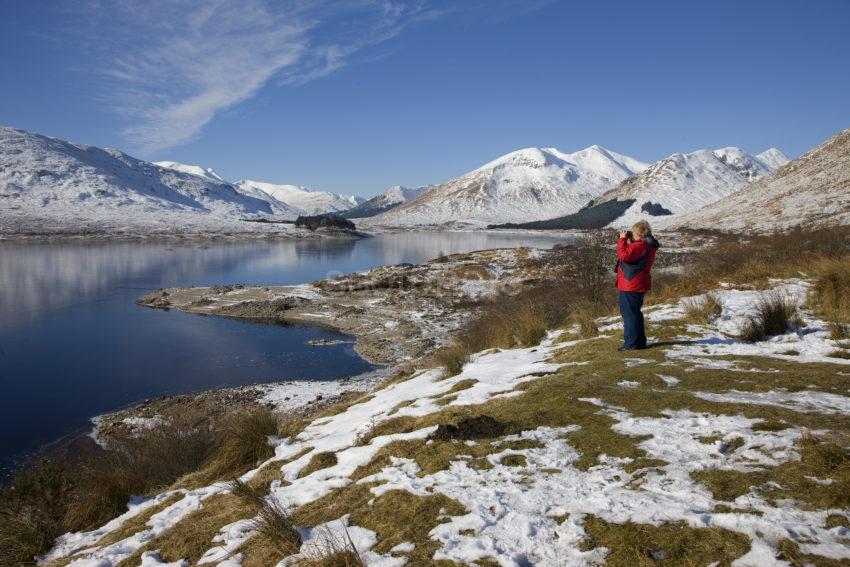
<point>529,184</point>
<point>206,172</point>
<point>300,200</point>
<point>683,183</point>
<point>812,190</point>
<point>49,185</point>
<point>391,198</point>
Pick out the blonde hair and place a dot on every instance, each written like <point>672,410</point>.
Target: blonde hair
<point>641,229</point>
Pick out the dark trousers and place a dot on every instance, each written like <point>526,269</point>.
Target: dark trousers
<point>634,335</point>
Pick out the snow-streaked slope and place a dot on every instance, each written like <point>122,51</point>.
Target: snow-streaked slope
<point>391,198</point>
<point>301,200</point>
<point>49,185</point>
<point>812,190</point>
<point>206,172</point>
<point>529,184</point>
<point>683,183</point>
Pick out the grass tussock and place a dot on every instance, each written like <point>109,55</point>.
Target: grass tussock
<point>86,486</point>
<point>243,441</point>
<point>583,315</point>
<point>330,549</point>
<point>775,314</point>
<point>703,309</point>
<point>830,292</point>
<point>274,523</point>
<point>452,358</point>
<point>839,331</point>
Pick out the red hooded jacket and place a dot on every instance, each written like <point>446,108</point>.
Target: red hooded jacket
<point>634,264</point>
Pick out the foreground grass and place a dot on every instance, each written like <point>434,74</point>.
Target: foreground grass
<point>593,369</point>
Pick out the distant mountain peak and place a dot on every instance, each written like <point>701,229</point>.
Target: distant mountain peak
<point>526,184</point>
<point>773,157</point>
<point>300,200</point>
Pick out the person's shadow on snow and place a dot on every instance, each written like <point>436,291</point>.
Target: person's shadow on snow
<point>670,343</point>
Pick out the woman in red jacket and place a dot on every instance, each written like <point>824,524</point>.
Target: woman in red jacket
<point>635,254</point>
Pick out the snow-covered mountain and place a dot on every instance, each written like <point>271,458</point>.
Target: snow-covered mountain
<point>49,185</point>
<point>529,184</point>
<point>683,183</point>
<point>773,158</point>
<point>812,190</point>
<point>287,201</point>
<point>300,200</point>
<point>383,202</point>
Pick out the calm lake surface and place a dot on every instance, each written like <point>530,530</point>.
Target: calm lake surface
<point>73,343</point>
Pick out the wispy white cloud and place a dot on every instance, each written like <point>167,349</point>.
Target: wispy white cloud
<point>170,66</point>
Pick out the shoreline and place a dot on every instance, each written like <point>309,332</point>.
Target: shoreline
<point>372,307</point>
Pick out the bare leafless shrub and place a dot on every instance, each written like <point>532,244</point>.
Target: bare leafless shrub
<point>591,275</point>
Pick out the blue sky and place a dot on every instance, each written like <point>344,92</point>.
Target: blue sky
<point>356,95</point>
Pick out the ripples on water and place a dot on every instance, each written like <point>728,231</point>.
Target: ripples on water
<point>74,344</point>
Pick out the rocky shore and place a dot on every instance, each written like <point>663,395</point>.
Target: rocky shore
<point>397,314</point>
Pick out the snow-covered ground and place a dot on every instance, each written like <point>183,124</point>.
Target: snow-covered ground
<point>535,513</point>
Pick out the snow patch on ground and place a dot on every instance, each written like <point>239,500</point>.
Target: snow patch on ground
<point>340,535</point>
<point>512,517</point>
<point>804,401</point>
<point>294,394</point>
<point>107,556</point>
<point>811,340</point>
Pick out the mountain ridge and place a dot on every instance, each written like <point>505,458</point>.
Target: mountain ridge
<point>812,190</point>
<point>526,183</point>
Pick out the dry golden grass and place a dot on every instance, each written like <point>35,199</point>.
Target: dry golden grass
<point>318,462</point>
<point>830,293</point>
<point>192,536</point>
<point>452,358</point>
<point>522,319</point>
<point>670,544</point>
<point>583,314</point>
<point>774,314</point>
<point>703,309</point>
